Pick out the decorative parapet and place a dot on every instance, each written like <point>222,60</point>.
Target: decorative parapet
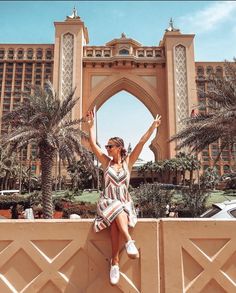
<point>176,255</point>
<point>105,53</point>
<point>24,52</point>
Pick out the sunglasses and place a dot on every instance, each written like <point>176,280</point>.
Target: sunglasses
<point>109,146</point>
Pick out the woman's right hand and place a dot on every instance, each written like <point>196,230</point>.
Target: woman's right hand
<point>90,118</point>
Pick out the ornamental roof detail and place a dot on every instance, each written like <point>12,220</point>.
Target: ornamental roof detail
<point>124,40</point>
<point>74,15</point>
<point>171,27</point>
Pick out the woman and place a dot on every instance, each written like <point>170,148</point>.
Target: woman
<point>115,208</point>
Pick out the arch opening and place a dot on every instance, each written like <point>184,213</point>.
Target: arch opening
<point>124,115</point>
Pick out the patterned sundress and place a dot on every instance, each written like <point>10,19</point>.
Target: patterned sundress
<point>115,198</point>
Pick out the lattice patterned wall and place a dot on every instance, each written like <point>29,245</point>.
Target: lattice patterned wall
<point>199,256</point>
<point>67,256</point>
<point>181,88</point>
<point>67,65</point>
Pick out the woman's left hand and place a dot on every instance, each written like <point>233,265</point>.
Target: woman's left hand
<point>157,121</point>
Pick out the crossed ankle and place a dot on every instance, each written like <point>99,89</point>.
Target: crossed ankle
<point>114,261</point>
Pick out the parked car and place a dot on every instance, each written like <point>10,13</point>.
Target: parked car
<point>11,191</point>
<point>223,210</point>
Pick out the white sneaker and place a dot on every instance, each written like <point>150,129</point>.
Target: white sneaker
<point>114,274</point>
<point>131,249</point>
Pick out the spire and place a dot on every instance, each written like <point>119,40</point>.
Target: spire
<point>74,15</point>
<point>171,27</point>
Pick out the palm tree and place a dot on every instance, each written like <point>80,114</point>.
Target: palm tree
<point>142,170</point>
<point>43,119</point>
<point>218,122</point>
<point>158,169</point>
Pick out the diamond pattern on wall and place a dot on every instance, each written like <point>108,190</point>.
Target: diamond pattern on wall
<point>209,265</point>
<point>73,271</point>
<point>20,267</point>
<point>191,268</point>
<point>181,86</point>
<point>4,244</point>
<point>213,287</point>
<point>50,288</point>
<point>52,257</point>
<point>50,248</point>
<point>230,267</point>
<point>211,247</point>
<point>67,65</point>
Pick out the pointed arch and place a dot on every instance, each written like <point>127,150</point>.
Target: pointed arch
<point>134,85</point>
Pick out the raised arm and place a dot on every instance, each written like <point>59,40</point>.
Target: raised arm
<point>103,158</point>
<point>138,148</point>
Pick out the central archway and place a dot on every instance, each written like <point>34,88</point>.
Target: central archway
<point>140,89</point>
<point>120,116</point>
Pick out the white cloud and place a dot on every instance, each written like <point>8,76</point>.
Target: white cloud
<point>210,17</point>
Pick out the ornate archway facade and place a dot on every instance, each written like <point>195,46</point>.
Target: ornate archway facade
<point>165,78</point>
<point>162,77</point>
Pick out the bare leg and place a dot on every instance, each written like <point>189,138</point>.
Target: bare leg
<point>122,223</point>
<point>115,242</point>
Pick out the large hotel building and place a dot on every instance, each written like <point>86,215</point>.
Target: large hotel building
<point>166,78</point>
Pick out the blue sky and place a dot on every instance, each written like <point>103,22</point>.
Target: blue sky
<point>212,22</point>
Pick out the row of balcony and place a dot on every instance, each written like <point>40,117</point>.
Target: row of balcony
<point>106,52</point>
<point>26,54</point>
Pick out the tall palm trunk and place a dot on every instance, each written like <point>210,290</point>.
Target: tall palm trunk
<point>191,179</point>
<point>47,155</point>
<point>6,179</point>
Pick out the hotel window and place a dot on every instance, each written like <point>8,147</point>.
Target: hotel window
<point>200,71</point>
<point>49,54</point>
<point>18,76</point>
<point>124,52</point>
<point>9,76</point>
<point>20,53</point>
<point>98,53</point>
<point>7,89</point>
<point>30,54</point>
<point>209,70</point>
<point>158,53</point>
<point>28,68</point>
<point>219,72</point>
<point>2,53</point>
<point>141,53</point>
<point>107,53</point>
<point>89,53</point>
<point>6,107</point>
<point>39,54</point>
<point>10,54</point>
<point>149,53</point>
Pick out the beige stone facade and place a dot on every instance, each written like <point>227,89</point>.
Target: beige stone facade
<point>163,77</point>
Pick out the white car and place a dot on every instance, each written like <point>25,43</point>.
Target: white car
<point>223,210</point>
<point>11,191</point>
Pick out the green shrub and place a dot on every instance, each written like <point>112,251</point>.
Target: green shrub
<point>84,210</point>
<point>152,199</point>
<point>6,201</point>
<point>194,201</point>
